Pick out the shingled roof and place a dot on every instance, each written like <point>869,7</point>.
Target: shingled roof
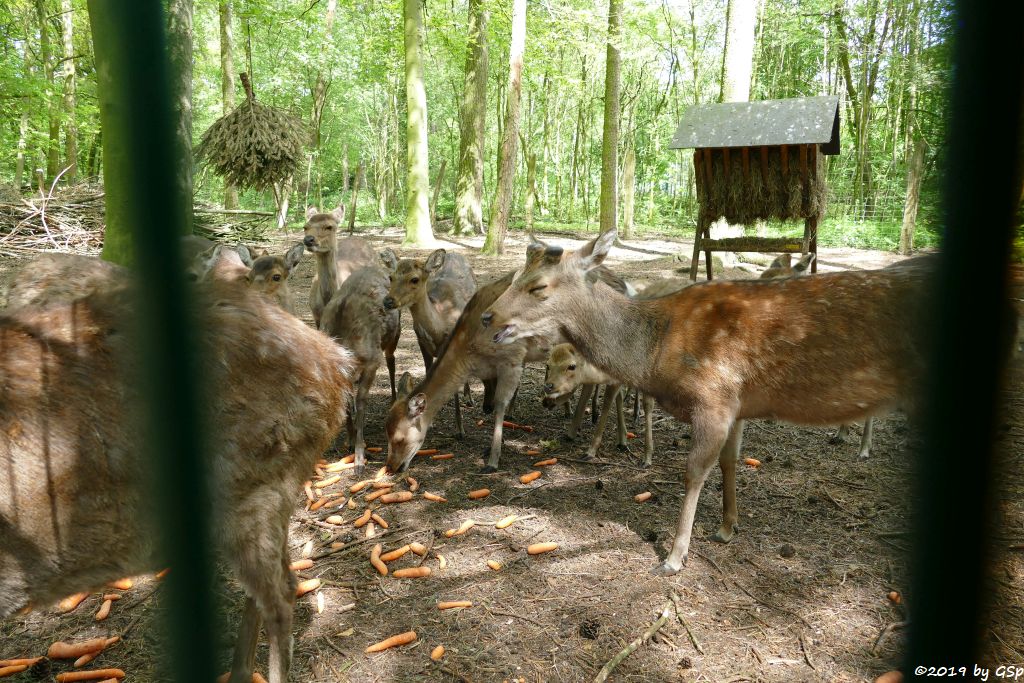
<point>794,121</point>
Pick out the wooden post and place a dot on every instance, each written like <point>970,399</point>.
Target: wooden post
<point>811,228</point>
<point>725,163</point>
<point>784,151</point>
<point>746,164</point>
<point>696,246</point>
<point>764,164</point>
<point>709,265</point>
<point>803,166</point>
<point>707,165</point>
<point>698,172</point>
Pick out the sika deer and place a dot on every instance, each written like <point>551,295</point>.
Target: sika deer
<point>435,290</point>
<point>822,349</point>
<point>61,278</point>
<point>335,259</point>
<point>269,275</point>
<point>357,319</point>
<point>73,507</point>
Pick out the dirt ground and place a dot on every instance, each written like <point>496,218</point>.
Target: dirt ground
<point>799,595</point>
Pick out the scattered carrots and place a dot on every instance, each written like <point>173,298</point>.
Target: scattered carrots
<point>329,481</point>
<point>350,458</point>
<point>299,565</point>
<point>62,650</point>
<point>359,486</point>
<point>463,528</point>
<point>454,604</point>
<point>104,611</point>
<point>426,451</point>
<point>339,466</point>
<point>71,602</point>
<point>85,659</point>
<point>375,495</point>
<point>545,463</point>
<point>351,504</point>
<point>508,425</point>
<point>890,677</point>
<point>11,670</point>
<point>121,584</point>
<point>418,548</point>
<point>382,484</point>
<point>434,497</point>
<point>753,462</point>
<point>526,428</point>
<point>307,548</point>
<point>335,519</point>
<point>320,602</point>
<point>363,518</point>
<point>319,503</point>
<point>374,449</point>
<point>371,530</point>
<point>411,573</point>
<point>442,456</point>
<point>413,484</point>
<point>393,641</point>
<point>641,497</point>
<point>533,452</point>
<point>375,560</point>
<point>496,566</point>
<point>25,661</point>
<point>507,521</point>
<point>437,653</point>
<point>441,561</point>
<point>895,597</point>
<point>257,677</point>
<point>306,586</point>
<point>538,548</point>
<point>395,554</point>
<point>396,497</point>
<point>479,493</point>
<point>112,596</point>
<point>380,520</point>
<point>307,486</point>
<point>96,674</point>
<point>530,476</point>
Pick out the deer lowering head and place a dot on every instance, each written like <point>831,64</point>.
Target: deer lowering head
<point>406,425</point>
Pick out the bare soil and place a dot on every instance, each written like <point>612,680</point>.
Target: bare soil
<point>799,595</point>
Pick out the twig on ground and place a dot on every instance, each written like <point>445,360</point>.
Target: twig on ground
<point>607,669</point>
<point>886,632</point>
<point>770,605</point>
<point>807,654</point>
<point>679,616</point>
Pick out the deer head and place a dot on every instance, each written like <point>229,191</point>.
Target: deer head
<point>409,277</point>
<point>406,426</point>
<point>321,229</point>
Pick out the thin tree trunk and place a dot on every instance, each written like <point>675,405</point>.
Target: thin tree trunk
<point>531,188</point>
<point>438,183</point>
<point>19,169</point>
<point>179,48</point>
<point>344,168</point>
<point>282,196</point>
<point>738,59</point>
<point>227,83</point>
<point>355,197</point>
<point>417,216</point>
<point>501,209</point>
<point>610,134</point>
<point>46,65</point>
<point>915,169</point>
<point>628,190</point>
<point>470,181</point>
<point>70,93</point>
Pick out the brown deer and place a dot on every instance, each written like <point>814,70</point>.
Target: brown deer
<point>822,349</point>
<point>335,259</point>
<point>435,290</point>
<point>357,319</point>
<point>73,504</point>
<point>61,278</point>
<point>269,275</point>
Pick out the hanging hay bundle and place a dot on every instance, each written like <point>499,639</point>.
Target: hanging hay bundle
<point>255,145</point>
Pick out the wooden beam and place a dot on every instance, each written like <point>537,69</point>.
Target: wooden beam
<point>707,166</point>
<point>803,166</point>
<point>698,172</point>
<point>768,245</point>
<point>725,165</point>
<point>746,164</point>
<point>764,164</point>
<point>784,151</point>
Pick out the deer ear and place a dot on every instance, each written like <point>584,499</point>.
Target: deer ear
<point>311,211</point>
<point>417,404</point>
<point>404,387</point>
<point>593,253</point>
<point>804,264</point>
<point>781,262</point>
<point>436,260</point>
<point>538,252</point>
<point>390,259</point>
<point>294,255</point>
<point>339,213</point>
<point>244,254</point>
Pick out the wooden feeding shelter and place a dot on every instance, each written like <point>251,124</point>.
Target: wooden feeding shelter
<point>758,161</point>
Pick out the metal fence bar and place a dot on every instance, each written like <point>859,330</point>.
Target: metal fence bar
<point>130,43</point>
<point>969,337</point>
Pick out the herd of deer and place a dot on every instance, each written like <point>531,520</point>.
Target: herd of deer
<point>826,349</point>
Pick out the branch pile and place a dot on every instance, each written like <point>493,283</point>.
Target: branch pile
<point>67,219</point>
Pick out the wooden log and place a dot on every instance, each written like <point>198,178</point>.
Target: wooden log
<point>707,166</point>
<point>767,245</point>
<point>725,165</point>
<point>698,172</point>
<point>784,151</point>
<point>815,151</point>
<point>746,164</point>
<point>764,164</point>
<point>803,166</point>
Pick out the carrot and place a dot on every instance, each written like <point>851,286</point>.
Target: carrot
<point>336,545</point>
<point>382,484</point>
<point>351,504</point>
<point>426,451</point>
<point>112,596</point>
<point>753,462</point>
<point>533,452</point>
<point>895,597</point>
<point>454,604</point>
<point>441,561</point>
<point>95,674</point>
<point>24,661</point>
<point>374,449</point>
<point>257,677</point>
<point>507,521</point>
<point>393,641</point>
<point>71,602</point>
<point>413,484</point>
<point>890,677</point>
<point>630,435</point>
<point>411,573</point>
<point>121,584</point>
<point>380,520</point>
<point>306,586</point>
<point>85,659</point>
<point>479,423</point>
<point>437,653</point>
<point>545,463</point>
<point>335,519</point>
<point>299,565</point>
<point>329,481</point>
<point>104,611</point>
<point>508,425</point>
<point>396,497</point>
<point>526,428</point>
<point>320,602</point>
<point>371,530</point>
<point>641,497</point>
<point>62,650</point>
<point>307,548</point>
<point>395,554</point>
<point>443,456</point>
<point>496,566</point>
<point>307,486</point>
<point>418,548</point>
<point>363,518</point>
<point>527,478</point>
<point>375,495</point>
<point>11,670</point>
<point>375,560</point>
<point>463,528</point>
<point>479,493</point>
<point>159,576</point>
<point>359,486</point>
<point>538,548</point>
<point>318,504</point>
<point>434,497</point>
<point>319,471</point>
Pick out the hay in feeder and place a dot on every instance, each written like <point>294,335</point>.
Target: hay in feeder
<point>255,145</point>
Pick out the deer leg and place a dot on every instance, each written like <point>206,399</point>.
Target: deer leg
<point>390,359</point>
<point>467,394</point>
<point>620,414</point>
<point>709,434</point>
<point>357,418</point>
<point>460,432</point>
<point>244,662</point>
<point>279,627</point>
<point>865,439</point>
<point>489,386</point>
<point>508,381</point>
<point>611,391</point>
<point>585,393</point>
<point>636,406</point>
<point>594,415</point>
<point>727,462</point>
<point>648,428</point>
<point>840,436</point>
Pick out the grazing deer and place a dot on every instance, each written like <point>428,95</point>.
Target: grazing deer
<point>435,290</point>
<point>822,349</point>
<point>357,319</point>
<point>269,275</point>
<point>335,259</point>
<point>73,504</point>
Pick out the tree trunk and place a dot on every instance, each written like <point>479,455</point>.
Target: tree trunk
<point>70,94</point>
<point>344,169</point>
<point>321,84</point>
<point>417,211</point>
<point>470,182</point>
<point>628,191</point>
<point>227,82</point>
<point>738,60</point>
<point>531,188</point>
<point>437,190</point>
<point>282,197</point>
<point>46,66</point>
<point>610,136</point>
<point>355,197</point>
<point>915,168</point>
<point>501,208</point>
<point>19,169</point>
<point>179,49</point>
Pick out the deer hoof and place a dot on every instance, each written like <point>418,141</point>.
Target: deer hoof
<point>357,471</point>
<point>837,440</point>
<point>723,536</point>
<point>665,569</point>
<point>488,469</point>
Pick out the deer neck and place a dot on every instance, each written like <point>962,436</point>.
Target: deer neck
<point>446,376</point>
<point>327,274</point>
<point>425,314</point>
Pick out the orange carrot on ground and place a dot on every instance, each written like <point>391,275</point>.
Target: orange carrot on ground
<point>753,462</point>
<point>508,425</point>
<point>441,561</point>
<point>530,476</point>
<point>112,596</point>
<point>62,650</point>
<point>454,604</point>
<point>359,486</point>
<point>507,521</point>
<point>104,611</point>
<point>335,519</point>
<point>434,497</point>
<point>257,677</point>
<point>413,484</point>
<point>329,481</point>
<point>374,449</point>
<point>641,497</point>
<point>442,456</point>
<point>437,653</point>
<point>526,428</point>
<point>339,467</point>
<point>336,545</point>
<point>538,548</point>
<point>426,451</point>
<point>94,675</point>
<point>23,661</point>
<point>395,554</point>
<point>307,486</point>
<point>121,584</point>
<point>545,463</point>
<point>11,670</point>
<point>350,458</point>
<point>479,423</point>
<point>85,659</point>
<point>307,548</point>
<point>895,597</point>
<point>380,520</point>
<point>371,529</point>
<point>496,566</point>
<point>351,504</point>
<point>533,452</point>
<point>306,586</point>
<point>71,602</point>
<point>162,573</point>
<point>393,641</point>
<point>363,518</point>
<point>319,503</point>
<point>374,495</point>
<point>375,560</point>
<point>299,565</point>
<point>382,484</point>
<point>479,493</point>
<point>396,497</point>
<point>320,602</point>
<point>411,573</point>
<point>630,435</point>
<point>319,470</point>
<point>463,528</point>
<point>418,548</point>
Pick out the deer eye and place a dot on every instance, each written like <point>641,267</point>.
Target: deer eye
<point>415,280</point>
<point>572,367</point>
<point>328,228</point>
<point>534,290</point>
<point>276,277</point>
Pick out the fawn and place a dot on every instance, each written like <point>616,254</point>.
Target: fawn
<point>335,259</point>
<point>269,275</point>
